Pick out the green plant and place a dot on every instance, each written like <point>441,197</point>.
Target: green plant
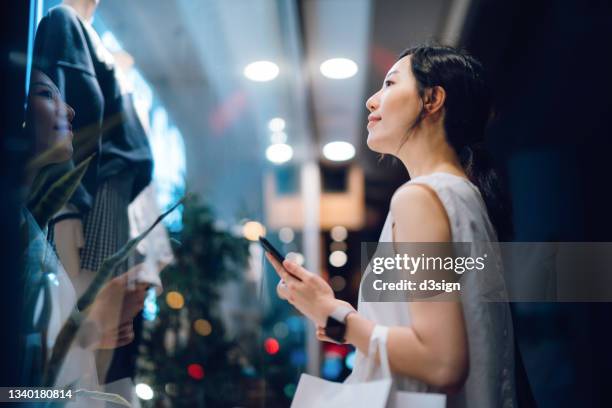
<point>68,332</point>
<point>44,206</point>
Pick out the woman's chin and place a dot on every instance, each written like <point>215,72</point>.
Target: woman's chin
<point>376,144</point>
<point>62,155</point>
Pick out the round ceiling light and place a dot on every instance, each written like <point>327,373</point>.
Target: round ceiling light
<point>261,71</point>
<point>339,68</point>
<point>338,151</point>
<point>279,153</point>
<point>276,124</point>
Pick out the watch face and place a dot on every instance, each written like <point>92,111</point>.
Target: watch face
<point>335,330</point>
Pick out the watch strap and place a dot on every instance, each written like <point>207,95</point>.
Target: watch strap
<point>341,312</point>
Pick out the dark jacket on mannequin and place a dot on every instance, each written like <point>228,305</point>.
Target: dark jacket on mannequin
<point>105,122</point>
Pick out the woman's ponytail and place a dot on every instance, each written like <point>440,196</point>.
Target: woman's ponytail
<point>467,110</point>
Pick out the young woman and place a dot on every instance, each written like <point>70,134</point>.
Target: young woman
<point>431,114</point>
<point>49,289</point>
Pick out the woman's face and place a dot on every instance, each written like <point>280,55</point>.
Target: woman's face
<point>394,109</point>
<point>50,120</point>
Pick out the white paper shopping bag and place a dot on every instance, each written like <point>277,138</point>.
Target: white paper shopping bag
<point>314,392</point>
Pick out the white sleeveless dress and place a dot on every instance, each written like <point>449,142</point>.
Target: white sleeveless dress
<point>490,382</point>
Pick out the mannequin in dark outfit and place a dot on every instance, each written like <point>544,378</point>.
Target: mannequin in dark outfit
<point>106,125</point>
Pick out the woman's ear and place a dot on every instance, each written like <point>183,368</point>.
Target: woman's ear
<point>434,99</point>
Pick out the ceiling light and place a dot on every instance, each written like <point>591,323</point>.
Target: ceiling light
<point>278,137</point>
<point>261,71</point>
<point>339,68</point>
<point>252,230</point>
<point>338,151</point>
<point>286,235</point>
<point>296,257</point>
<point>276,124</point>
<point>279,153</point>
<point>339,233</point>
<point>338,259</point>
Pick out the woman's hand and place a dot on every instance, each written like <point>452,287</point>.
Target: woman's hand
<point>114,309</point>
<point>309,293</point>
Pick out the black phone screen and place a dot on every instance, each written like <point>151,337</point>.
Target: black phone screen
<point>270,249</point>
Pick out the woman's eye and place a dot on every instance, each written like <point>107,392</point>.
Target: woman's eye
<point>388,83</point>
<point>45,94</point>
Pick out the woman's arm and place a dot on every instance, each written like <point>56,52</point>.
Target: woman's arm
<point>434,348</point>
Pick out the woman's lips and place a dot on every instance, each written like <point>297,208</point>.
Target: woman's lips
<point>65,129</point>
<point>372,120</point>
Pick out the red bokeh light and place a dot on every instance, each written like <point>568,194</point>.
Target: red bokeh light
<point>195,371</point>
<point>271,345</point>
<point>336,349</point>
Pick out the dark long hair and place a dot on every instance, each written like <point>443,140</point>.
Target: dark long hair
<point>467,110</point>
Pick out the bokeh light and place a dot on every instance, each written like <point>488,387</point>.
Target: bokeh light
<point>338,151</point>
<point>261,71</point>
<point>286,235</point>
<point>338,233</point>
<point>171,389</point>
<point>144,391</point>
<point>350,360</point>
<point>338,68</point>
<point>298,357</point>
<point>278,138</point>
<point>296,257</point>
<point>337,283</point>
<point>276,124</point>
<point>332,367</point>
<point>175,300</point>
<point>271,346</point>
<point>195,371</point>
<point>279,153</point>
<point>289,390</point>
<point>202,327</point>
<point>150,309</point>
<point>280,330</point>
<point>252,230</point>
<point>295,324</point>
<point>338,258</point>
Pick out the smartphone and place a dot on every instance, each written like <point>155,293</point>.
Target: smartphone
<point>271,250</point>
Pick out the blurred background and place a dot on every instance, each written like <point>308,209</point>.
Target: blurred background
<point>258,107</point>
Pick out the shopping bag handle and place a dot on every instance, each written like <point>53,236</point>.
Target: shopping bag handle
<point>378,342</point>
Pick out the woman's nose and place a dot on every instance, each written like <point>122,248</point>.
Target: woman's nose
<point>70,113</point>
<point>372,102</point>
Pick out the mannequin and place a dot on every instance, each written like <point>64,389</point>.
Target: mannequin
<point>94,224</point>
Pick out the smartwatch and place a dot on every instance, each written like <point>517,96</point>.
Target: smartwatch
<point>335,328</point>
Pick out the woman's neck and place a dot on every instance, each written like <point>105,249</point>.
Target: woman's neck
<point>84,8</point>
<point>427,151</point>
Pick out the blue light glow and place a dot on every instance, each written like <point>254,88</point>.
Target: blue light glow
<point>350,360</point>
<point>298,357</point>
<point>332,367</point>
<point>150,309</point>
<point>53,279</point>
<point>166,140</point>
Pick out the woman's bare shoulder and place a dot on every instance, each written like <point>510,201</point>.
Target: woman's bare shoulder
<point>419,215</point>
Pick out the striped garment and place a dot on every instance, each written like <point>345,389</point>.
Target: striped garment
<point>106,226</point>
